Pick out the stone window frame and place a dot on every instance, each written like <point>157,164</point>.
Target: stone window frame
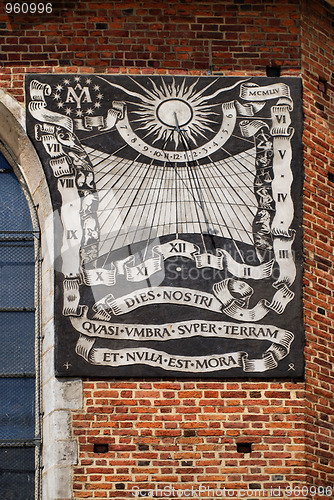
<point>35,238</point>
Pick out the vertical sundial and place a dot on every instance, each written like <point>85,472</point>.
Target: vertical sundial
<point>177,206</point>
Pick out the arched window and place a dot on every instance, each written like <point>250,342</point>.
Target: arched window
<point>19,365</point>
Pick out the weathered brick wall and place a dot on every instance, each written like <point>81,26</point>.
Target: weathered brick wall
<point>181,36</point>
<point>317,71</point>
<point>186,433</point>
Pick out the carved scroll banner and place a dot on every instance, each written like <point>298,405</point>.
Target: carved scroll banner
<point>177,223</point>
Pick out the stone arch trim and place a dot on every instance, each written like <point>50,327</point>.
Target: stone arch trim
<point>59,397</point>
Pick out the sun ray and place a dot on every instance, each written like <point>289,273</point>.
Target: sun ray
<point>167,108</point>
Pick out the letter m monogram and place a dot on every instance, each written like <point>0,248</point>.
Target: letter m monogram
<point>73,97</point>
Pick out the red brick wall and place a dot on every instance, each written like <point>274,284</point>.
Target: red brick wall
<point>185,433</point>
<point>317,66</point>
<point>183,36</point>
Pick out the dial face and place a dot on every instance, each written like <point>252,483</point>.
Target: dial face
<point>177,209</point>
<point>174,113</point>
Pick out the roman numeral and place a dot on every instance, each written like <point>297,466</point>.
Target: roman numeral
<point>281,197</point>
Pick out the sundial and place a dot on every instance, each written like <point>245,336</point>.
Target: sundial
<point>177,208</point>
